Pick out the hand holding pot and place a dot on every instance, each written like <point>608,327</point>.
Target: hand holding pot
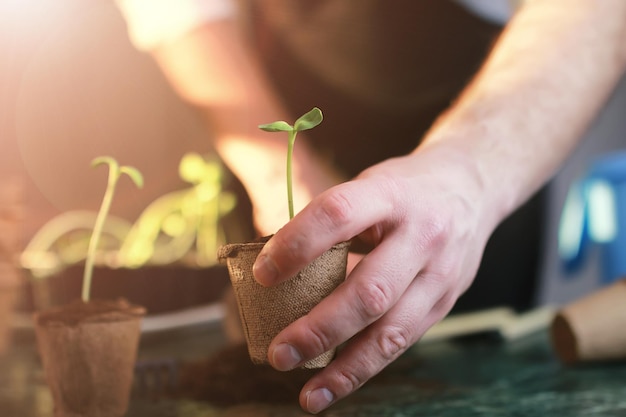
<point>428,231</point>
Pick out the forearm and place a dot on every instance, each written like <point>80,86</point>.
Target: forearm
<point>547,77</point>
<point>212,68</point>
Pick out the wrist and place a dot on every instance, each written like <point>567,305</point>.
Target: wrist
<point>467,151</point>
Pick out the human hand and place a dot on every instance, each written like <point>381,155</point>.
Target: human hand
<point>427,216</point>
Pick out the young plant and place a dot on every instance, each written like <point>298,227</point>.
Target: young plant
<point>305,122</point>
<point>115,172</point>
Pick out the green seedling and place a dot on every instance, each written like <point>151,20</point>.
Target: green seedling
<point>305,122</point>
<point>115,172</point>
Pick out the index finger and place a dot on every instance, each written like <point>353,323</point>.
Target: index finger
<point>336,215</point>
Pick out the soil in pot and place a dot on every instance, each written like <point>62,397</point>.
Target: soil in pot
<point>88,352</point>
<point>160,289</point>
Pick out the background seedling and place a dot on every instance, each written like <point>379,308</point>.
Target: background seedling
<point>115,172</point>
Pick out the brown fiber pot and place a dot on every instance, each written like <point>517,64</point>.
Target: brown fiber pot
<point>88,351</point>
<point>265,311</point>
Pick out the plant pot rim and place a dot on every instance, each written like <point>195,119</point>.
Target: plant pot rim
<point>78,312</point>
<point>232,250</point>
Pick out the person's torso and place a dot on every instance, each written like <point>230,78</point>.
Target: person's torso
<point>381,70</point>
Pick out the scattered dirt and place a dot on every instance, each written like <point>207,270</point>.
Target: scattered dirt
<point>229,378</point>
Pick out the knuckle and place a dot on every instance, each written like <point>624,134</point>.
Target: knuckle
<point>291,250</point>
<point>441,276</point>
<point>320,340</point>
<point>373,300</point>
<point>335,210</point>
<point>393,341</point>
<point>444,304</point>
<point>349,380</point>
<point>435,232</point>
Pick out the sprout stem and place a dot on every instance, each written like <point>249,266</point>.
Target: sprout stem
<point>97,230</point>
<point>115,172</point>
<point>292,140</point>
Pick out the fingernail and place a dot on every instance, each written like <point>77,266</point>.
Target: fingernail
<point>285,357</point>
<point>264,270</point>
<point>318,399</point>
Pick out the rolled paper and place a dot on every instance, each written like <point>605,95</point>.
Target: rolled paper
<point>592,328</point>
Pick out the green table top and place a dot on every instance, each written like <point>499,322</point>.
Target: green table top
<point>480,376</point>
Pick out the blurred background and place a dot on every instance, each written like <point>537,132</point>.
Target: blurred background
<point>72,87</point>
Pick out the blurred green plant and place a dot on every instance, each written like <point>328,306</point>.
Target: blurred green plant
<point>115,173</point>
<point>181,226</point>
<point>168,228</point>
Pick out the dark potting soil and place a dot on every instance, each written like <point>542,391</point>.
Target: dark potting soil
<point>78,311</point>
<point>160,289</point>
<point>230,378</point>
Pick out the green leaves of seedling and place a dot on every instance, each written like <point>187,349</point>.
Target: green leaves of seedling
<point>279,126</point>
<point>305,122</point>
<point>116,171</point>
<point>309,120</point>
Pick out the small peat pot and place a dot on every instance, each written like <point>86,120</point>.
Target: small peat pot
<point>88,351</point>
<point>265,311</point>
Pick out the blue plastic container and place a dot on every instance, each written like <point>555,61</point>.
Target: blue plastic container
<point>594,215</point>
